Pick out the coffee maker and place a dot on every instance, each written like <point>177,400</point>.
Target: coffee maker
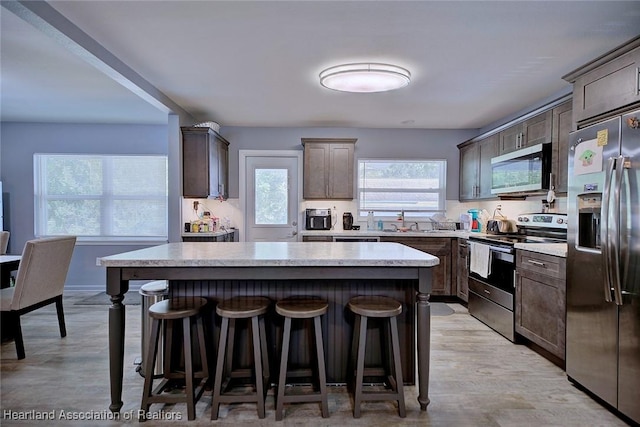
<point>318,219</point>
<point>347,221</point>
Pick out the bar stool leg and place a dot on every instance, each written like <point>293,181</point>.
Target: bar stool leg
<point>354,355</point>
<point>203,350</point>
<point>362,340</point>
<point>322,374</point>
<point>282,379</point>
<point>152,351</point>
<point>265,352</point>
<point>395,342</point>
<point>188,368</point>
<point>217,384</point>
<point>257,358</point>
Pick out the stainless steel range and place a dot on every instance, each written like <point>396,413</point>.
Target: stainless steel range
<point>493,267</point>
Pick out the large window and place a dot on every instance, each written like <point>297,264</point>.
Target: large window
<point>387,187</point>
<point>101,197</point>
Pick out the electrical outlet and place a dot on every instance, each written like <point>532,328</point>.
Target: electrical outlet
<point>195,205</point>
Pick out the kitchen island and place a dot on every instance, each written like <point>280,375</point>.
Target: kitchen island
<point>336,271</point>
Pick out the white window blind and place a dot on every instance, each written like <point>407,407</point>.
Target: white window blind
<point>387,187</point>
<point>101,197</point>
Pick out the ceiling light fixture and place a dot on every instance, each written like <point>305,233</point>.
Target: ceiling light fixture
<point>365,77</point>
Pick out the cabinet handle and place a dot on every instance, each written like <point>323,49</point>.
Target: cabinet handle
<point>486,291</point>
<point>538,263</point>
<point>637,81</point>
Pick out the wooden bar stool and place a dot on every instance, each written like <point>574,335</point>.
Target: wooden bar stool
<point>302,308</point>
<point>252,308</point>
<point>186,309</point>
<point>365,307</point>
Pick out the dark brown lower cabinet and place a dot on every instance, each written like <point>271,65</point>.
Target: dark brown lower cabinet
<point>232,236</point>
<point>462,267</point>
<point>437,246</point>
<point>541,300</point>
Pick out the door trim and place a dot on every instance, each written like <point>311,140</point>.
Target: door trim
<point>242,169</point>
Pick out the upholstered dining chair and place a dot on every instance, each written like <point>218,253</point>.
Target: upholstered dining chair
<point>39,282</point>
<point>4,242</point>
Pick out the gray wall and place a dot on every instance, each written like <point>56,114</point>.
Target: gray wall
<point>372,143</point>
<point>21,140</point>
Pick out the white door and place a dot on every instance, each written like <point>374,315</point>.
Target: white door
<point>271,183</point>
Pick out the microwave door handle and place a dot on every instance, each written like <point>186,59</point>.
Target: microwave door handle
<point>312,223</point>
<point>604,230</point>
<point>616,271</point>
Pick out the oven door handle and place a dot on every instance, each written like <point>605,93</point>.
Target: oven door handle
<point>501,249</point>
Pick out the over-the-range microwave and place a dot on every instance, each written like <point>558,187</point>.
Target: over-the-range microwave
<point>528,169</point>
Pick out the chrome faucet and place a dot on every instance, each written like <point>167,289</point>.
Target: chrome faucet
<point>417,226</point>
<point>402,216</point>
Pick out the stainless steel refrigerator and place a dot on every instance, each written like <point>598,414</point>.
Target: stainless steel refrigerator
<point>603,262</point>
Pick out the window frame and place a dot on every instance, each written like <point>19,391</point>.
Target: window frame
<point>414,214</point>
<point>107,198</point>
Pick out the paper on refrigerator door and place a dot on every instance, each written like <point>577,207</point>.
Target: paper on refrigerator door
<point>588,157</point>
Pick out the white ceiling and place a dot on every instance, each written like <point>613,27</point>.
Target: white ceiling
<point>244,63</point>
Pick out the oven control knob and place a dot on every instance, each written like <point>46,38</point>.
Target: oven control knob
<point>520,218</point>
<point>525,219</point>
<point>560,221</point>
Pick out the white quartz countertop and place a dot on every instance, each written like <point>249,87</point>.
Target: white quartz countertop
<point>556,249</point>
<point>273,254</point>
<point>377,233</point>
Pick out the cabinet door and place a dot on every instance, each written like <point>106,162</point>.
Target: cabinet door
<point>541,300</point>
<point>510,139</point>
<point>462,282</point>
<point>537,130</point>
<point>608,87</point>
<point>440,247</point>
<point>223,168</point>
<point>316,169</point>
<point>205,160</point>
<point>328,168</point>
<point>195,164</point>
<point>562,122</point>
<point>469,171</point>
<point>488,150</point>
<point>341,178</point>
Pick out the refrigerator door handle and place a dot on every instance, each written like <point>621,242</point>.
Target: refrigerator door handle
<point>604,230</point>
<point>616,271</point>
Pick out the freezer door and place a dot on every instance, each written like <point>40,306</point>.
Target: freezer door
<point>592,323</point>
<point>629,334</point>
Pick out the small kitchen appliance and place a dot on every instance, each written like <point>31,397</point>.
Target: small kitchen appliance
<point>475,219</point>
<point>347,221</point>
<point>318,219</point>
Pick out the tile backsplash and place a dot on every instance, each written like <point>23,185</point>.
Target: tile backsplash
<point>229,211</point>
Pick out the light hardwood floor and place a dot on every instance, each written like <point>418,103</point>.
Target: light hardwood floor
<point>477,378</point>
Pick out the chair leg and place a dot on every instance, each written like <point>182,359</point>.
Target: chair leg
<point>217,384</point>
<point>362,341</point>
<point>282,378</point>
<point>60,311</point>
<point>17,336</point>
<point>395,342</point>
<point>322,374</point>
<point>257,361</point>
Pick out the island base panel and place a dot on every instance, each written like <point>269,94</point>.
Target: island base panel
<point>337,325</point>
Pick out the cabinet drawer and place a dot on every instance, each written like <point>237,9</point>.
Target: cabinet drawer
<point>547,265</point>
